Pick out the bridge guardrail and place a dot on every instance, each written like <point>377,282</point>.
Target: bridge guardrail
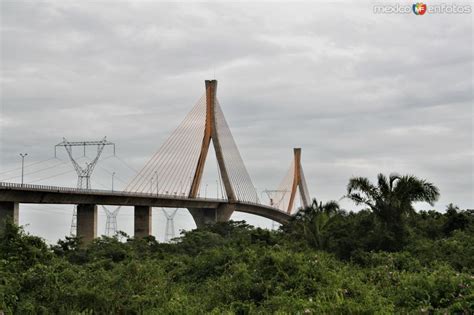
<point>96,191</point>
<point>118,193</point>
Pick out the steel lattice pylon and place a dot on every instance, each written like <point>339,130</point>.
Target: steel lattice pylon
<point>275,198</point>
<point>111,223</point>
<point>83,174</point>
<point>169,230</point>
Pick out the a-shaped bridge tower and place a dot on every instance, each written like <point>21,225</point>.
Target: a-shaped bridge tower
<point>177,168</point>
<point>292,185</point>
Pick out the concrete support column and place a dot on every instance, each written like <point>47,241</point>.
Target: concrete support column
<point>203,217</point>
<point>8,210</point>
<point>142,221</point>
<point>86,222</point>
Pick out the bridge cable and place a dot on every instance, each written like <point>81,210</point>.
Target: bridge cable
<point>139,178</point>
<point>167,153</point>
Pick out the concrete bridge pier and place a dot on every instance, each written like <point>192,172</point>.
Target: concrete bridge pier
<point>142,221</point>
<point>203,217</point>
<point>86,222</point>
<point>8,210</point>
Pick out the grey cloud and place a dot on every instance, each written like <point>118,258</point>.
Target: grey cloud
<point>361,93</point>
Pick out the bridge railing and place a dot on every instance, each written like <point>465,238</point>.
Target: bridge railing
<point>48,188</point>
<point>96,191</point>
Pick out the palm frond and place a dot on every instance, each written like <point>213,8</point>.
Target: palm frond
<point>392,178</point>
<point>412,189</point>
<point>383,184</point>
<point>362,185</point>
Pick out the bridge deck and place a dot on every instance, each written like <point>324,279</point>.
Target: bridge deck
<point>28,193</point>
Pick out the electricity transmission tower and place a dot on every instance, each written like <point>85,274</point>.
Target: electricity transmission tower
<point>83,173</point>
<point>169,231</point>
<point>275,197</point>
<point>111,223</point>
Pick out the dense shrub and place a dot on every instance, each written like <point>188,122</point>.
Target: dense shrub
<point>235,268</point>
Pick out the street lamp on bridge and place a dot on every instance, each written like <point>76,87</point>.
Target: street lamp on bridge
<point>23,155</point>
<point>113,175</point>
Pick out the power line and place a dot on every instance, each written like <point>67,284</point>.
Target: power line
<point>110,173</point>
<point>27,165</point>
<point>39,180</point>
<point>126,164</point>
<point>34,172</point>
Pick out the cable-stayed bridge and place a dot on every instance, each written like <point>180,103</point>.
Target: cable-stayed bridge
<point>173,178</point>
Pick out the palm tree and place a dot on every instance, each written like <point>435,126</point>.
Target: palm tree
<point>391,200</point>
<point>313,221</point>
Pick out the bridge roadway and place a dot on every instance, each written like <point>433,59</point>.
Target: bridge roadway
<point>12,194</point>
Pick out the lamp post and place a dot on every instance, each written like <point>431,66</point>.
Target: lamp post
<point>113,175</point>
<point>23,155</point>
<point>205,192</point>
<point>157,183</point>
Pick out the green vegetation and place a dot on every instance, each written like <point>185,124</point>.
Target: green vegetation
<point>382,260</point>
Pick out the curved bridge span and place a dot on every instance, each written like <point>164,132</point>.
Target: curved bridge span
<point>172,177</point>
<point>11,195</point>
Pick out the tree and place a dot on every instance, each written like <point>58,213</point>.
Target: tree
<point>313,221</point>
<point>456,219</point>
<point>391,201</point>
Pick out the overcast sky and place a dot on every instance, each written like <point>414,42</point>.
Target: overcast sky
<point>361,93</point>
